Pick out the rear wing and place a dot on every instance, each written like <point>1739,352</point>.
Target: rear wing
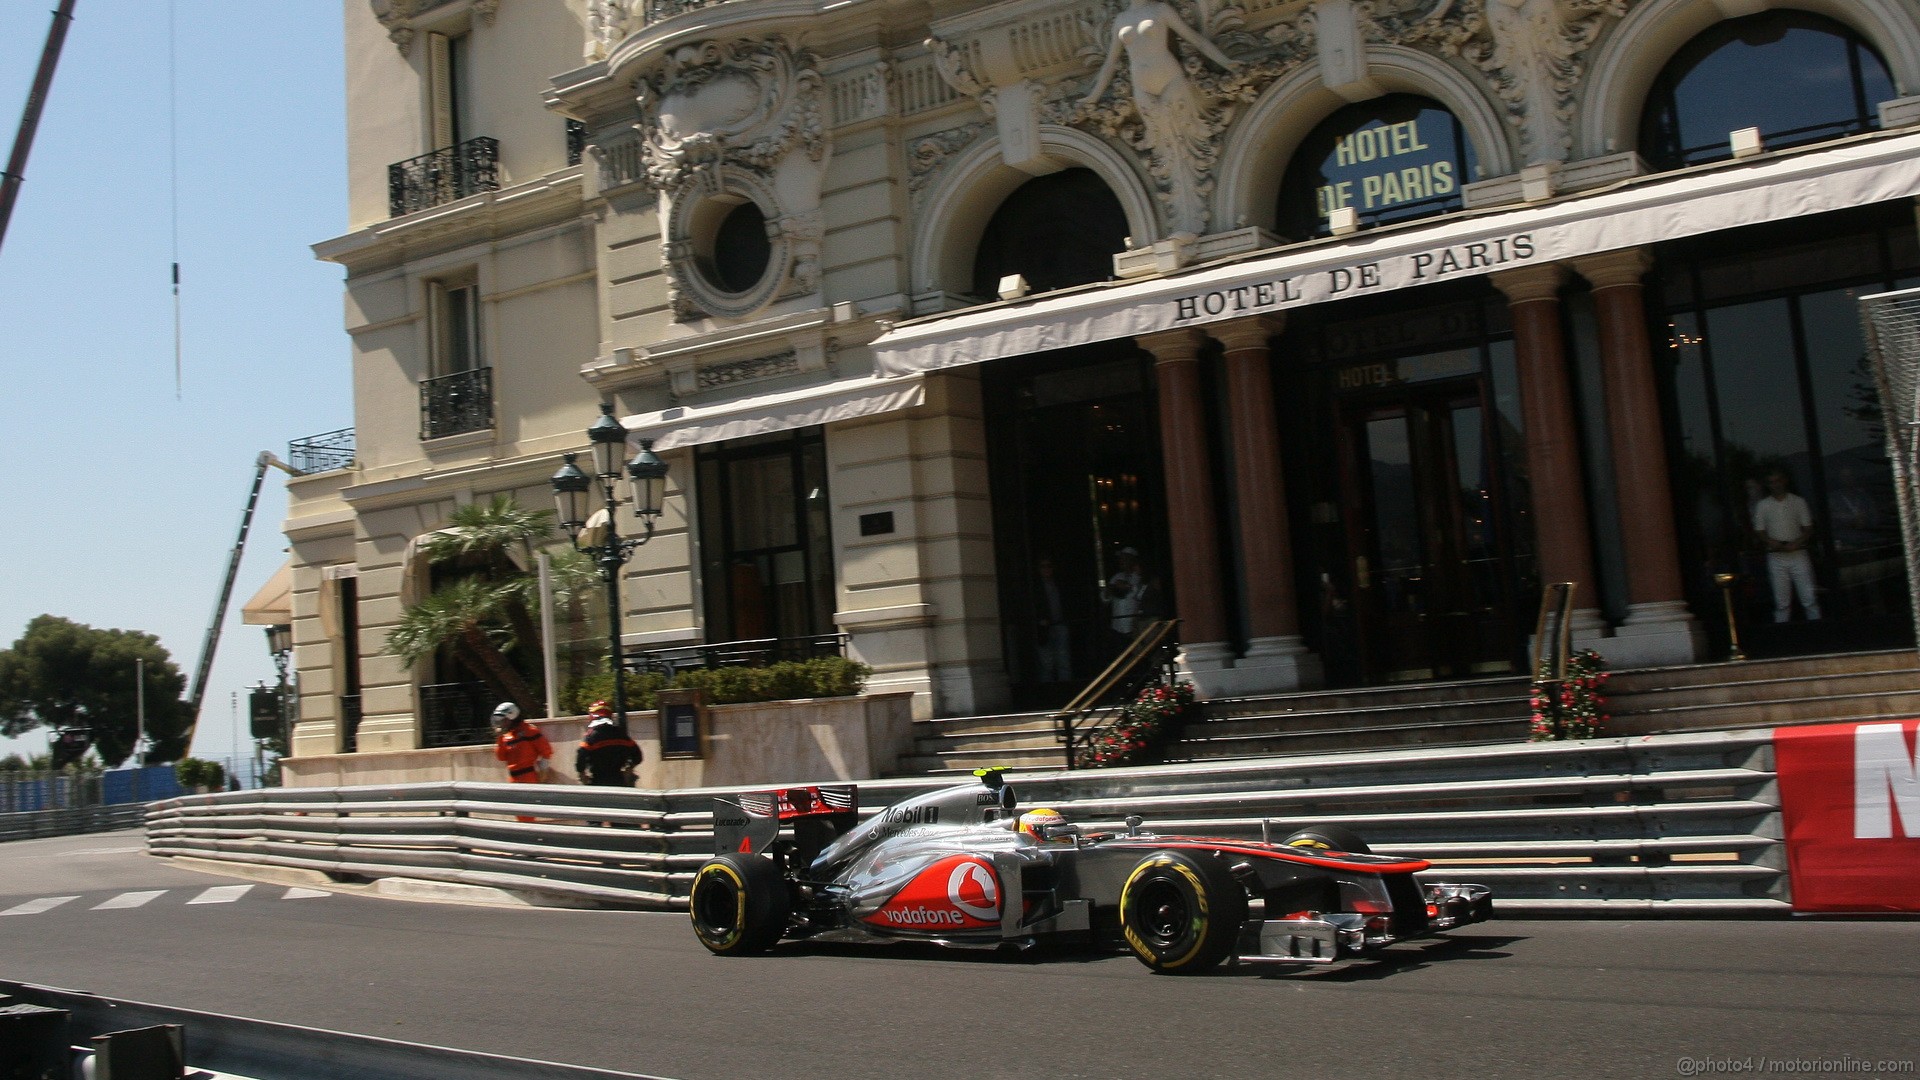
<point>750,821</point>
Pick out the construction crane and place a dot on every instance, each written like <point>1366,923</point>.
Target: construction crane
<point>16,171</point>
<point>212,643</point>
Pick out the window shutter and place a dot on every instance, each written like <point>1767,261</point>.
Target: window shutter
<point>440,91</point>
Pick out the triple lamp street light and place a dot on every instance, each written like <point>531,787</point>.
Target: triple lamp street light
<point>647,476</point>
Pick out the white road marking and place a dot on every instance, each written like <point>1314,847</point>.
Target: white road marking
<point>35,907</point>
<point>129,900</point>
<point>221,894</point>
<point>105,851</point>
<point>302,894</point>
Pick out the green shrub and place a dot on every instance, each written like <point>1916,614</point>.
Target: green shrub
<point>826,676</point>
<point>196,773</point>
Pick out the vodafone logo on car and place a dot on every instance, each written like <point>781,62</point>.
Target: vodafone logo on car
<point>959,892</point>
<point>1850,800</point>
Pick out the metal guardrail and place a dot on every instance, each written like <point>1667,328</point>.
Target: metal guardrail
<point>1685,823</point>
<point>237,1046</point>
<point>68,822</point>
<point>322,452</point>
<point>1147,659</point>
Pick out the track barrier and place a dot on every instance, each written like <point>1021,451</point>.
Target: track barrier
<point>1686,823</point>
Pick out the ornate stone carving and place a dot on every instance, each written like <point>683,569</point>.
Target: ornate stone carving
<point>1174,107</point>
<point>398,16</point>
<point>608,24</point>
<point>729,122</point>
<point>928,154</point>
<point>739,371</point>
<point>1529,50</point>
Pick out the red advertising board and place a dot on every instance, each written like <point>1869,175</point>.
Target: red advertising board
<point>1850,797</point>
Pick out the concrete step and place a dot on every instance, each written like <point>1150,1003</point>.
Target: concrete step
<point>1376,697</point>
<point>969,725</point>
<point>1624,699</point>
<point>1432,733</point>
<point>1749,670</point>
<point>1822,708</point>
<point>990,740</point>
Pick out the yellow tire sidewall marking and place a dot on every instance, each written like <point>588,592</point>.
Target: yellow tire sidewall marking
<point>739,901</point>
<point>1140,947</point>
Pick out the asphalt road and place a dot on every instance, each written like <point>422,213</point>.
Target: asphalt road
<point>633,991</point>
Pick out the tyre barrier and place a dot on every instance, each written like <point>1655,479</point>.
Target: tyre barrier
<point>1684,824</point>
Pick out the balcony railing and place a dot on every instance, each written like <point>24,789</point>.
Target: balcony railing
<point>455,714</point>
<point>445,175</point>
<point>318,453</point>
<point>757,652</point>
<point>456,404</point>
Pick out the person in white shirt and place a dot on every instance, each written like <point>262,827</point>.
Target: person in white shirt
<point>1785,524</point>
<point>1123,595</point>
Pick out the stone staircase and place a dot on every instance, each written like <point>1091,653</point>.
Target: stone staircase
<point>1695,697</point>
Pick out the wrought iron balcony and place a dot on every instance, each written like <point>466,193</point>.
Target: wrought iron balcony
<point>318,453</point>
<point>456,404</point>
<point>576,141</point>
<point>445,175</point>
<point>455,714</point>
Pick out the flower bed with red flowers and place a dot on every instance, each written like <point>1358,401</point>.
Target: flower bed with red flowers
<point>1142,730</point>
<point>1581,711</point>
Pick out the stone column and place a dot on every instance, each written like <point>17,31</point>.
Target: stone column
<point>1562,541</point>
<point>1276,657</point>
<point>1192,527</point>
<point>1658,629</point>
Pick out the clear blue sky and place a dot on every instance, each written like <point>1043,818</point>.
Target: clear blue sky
<point>123,501</point>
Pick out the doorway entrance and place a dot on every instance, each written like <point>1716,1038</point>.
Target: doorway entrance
<point>1435,593</point>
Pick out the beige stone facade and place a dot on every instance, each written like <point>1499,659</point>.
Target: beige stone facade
<point>857,154</point>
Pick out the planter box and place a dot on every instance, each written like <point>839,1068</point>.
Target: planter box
<point>762,742</point>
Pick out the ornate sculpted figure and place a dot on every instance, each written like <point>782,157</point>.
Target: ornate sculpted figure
<point>1177,128</point>
<point>1535,60</point>
<point>608,23</point>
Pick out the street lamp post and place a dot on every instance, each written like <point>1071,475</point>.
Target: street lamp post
<point>648,476</point>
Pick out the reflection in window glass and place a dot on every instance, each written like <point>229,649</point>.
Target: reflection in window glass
<point>1760,417</point>
<point>1821,81</point>
<point>1392,159</point>
<point>1056,231</point>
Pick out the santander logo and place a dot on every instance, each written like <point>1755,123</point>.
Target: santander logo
<point>1886,783</point>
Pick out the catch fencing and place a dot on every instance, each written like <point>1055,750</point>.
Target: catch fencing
<point>1891,322</point>
<point>1686,823</point>
<point>42,803</point>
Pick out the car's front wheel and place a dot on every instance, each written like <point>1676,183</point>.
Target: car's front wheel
<point>1181,914</point>
<point>739,904</point>
<point>1329,838</point>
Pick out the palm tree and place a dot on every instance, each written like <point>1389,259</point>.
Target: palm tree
<point>482,616</point>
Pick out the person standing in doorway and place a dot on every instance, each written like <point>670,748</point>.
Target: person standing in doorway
<point>1123,597</point>
<point>1051,636</point>
<point>1785,524</point>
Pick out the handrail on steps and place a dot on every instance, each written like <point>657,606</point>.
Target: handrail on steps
<point>1118,684</point>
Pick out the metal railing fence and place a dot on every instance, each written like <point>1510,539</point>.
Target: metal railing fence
<point>1673,823</point>
<point>753,652</point>
<point>322,452</point>
<point>443,175</point>
<point>456,404</point>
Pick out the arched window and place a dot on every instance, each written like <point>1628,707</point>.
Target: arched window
<point>1392,159</point>
<point>1056,230</point>
<point>1799,78</point>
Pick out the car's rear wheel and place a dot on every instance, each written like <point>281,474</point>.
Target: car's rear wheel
<point>1329,838</point>
<point>1181,914</point>
<point>739,904</point>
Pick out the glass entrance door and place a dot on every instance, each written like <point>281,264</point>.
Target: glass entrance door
<point>1433,580</point>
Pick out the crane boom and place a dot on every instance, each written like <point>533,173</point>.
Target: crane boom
<point>16,171</point>
<point>212,642</point>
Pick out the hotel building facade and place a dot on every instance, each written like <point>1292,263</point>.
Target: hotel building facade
<point>1338,327</point>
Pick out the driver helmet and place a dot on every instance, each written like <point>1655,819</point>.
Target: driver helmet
<point>600,708</point>
<point>506,713</point>
<point>1033,821</point>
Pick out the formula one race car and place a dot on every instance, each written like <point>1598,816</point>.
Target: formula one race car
<point>958,867</point>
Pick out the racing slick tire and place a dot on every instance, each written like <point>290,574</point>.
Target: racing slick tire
<point>1181,914</point>
<point>1329,838</point>
<point>739,904</point>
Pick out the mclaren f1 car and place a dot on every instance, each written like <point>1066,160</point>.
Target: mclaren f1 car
<point>958,866</point>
